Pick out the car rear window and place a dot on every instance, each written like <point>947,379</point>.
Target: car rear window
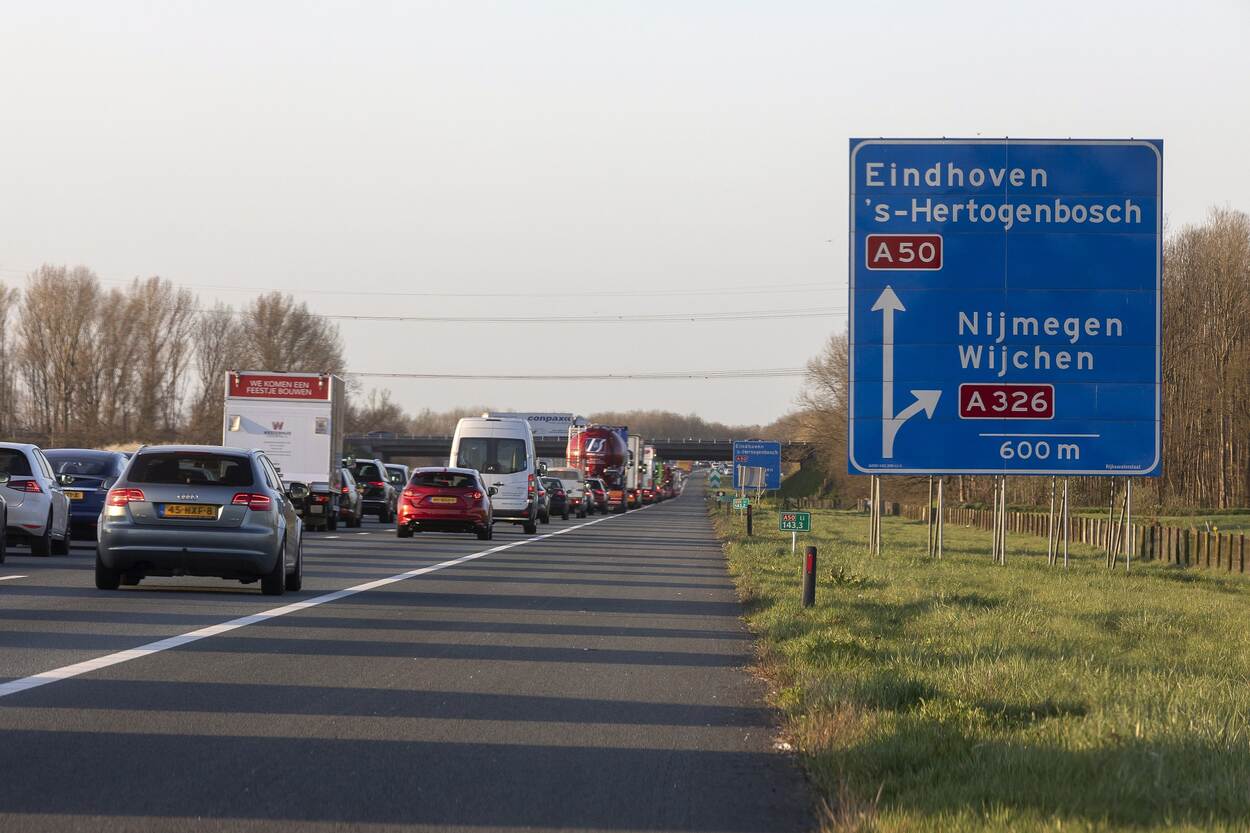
<point>444,480</point>
<point>191,469</point>
<point>80,466</point>
<point>368,472</point>
<point>14,463</point>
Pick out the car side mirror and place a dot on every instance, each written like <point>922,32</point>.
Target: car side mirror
<point>65,479</point>
<point>4,477</point>
<point>298,491</point>
<point>490,492</point>
<point>542,469</point>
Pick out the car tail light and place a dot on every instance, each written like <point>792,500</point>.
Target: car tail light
<point>25,486</point>
<point>321,498</point>
<point>476,495</point>
<point>120,497</point>
<point>346,490</point>
<point>257,503</point>
<point>377,483</point>
<point>411,494</point>
<point>532,487</point>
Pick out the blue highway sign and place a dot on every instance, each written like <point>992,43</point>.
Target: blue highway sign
<point>1005,306</point>
<point>763,454</point>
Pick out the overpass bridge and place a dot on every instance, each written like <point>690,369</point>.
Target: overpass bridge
<point>388,447</point>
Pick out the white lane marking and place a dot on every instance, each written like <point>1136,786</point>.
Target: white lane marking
<point>109,660</point>
<point>10,578</point>
<point>329,538</point>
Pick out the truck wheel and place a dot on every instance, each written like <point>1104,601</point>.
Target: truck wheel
<point>106,578</point>
<point>274,582</point>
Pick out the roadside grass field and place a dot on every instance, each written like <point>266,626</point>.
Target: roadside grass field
<point>957,695</point>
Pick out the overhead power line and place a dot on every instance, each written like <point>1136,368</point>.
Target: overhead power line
<point>758,373</point>
<point>658,317</point>
<point>639,292</point>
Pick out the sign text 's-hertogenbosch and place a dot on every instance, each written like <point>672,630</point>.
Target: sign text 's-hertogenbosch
<point>1005,306</point>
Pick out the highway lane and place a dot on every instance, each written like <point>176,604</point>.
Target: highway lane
<point>593,679</point>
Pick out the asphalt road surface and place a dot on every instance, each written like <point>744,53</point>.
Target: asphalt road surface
<point>593,677</point>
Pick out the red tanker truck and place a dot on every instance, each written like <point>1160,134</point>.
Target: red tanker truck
<point>601,451</point>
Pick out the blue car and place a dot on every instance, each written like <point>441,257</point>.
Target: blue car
<point>94,473</point>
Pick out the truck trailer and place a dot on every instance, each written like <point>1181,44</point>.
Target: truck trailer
<point>297,420</point>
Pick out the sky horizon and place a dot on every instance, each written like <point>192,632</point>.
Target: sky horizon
<point>522,160</point>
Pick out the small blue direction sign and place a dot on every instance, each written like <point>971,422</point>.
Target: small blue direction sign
<point>750,455</point>
<point>1005,306</point>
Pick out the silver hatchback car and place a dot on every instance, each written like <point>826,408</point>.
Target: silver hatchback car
<point>200,511</point>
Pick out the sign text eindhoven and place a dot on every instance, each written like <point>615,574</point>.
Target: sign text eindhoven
<point>1005,306</point>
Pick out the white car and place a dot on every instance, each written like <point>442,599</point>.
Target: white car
<point>37,508</point>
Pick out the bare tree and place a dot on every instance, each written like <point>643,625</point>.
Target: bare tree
<point>58,313</point>
<point>218,348</point>
<point>9,298</point>
<point>280,334</point>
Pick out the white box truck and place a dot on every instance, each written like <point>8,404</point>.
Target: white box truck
<point>297,420</point>
<point>633,472</point>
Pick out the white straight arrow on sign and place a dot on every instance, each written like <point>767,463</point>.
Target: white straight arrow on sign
<point>888,303</point>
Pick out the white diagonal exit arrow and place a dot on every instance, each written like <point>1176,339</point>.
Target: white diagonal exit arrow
<point>888,303</point>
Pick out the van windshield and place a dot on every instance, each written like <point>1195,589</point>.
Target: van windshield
<point>492,455</point>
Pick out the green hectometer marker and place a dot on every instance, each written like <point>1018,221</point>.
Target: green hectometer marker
<point>794,521</point>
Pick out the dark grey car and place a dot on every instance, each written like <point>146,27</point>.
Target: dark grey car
<point>200,511</point>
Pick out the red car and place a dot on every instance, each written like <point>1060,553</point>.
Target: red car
<point>599,494</point>
<point>445,500</point>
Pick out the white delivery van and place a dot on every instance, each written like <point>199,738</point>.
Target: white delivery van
<point>502,451</point>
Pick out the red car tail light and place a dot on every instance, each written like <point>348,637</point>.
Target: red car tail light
<point>26,486</point>
<point>476,495</point>
<point>257,503</point>
<point>345,490</point>
<point>411,494</point>
<point>377,483</point>
<point>531,486</point>
<point>120,497</point>
<point>321,498</point>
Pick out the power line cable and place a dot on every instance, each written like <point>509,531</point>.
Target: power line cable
<point>758,373</point>
<point>660,317</point>
<point>769,289</point>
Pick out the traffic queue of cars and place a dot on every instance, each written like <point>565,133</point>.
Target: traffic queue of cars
<point>219,511</point>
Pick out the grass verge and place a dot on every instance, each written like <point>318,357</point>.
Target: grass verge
<point>956,695</point>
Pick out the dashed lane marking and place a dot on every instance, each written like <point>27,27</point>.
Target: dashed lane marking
<point>79,668</point>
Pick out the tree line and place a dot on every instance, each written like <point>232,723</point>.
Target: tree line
<point>82,365</point>
<point>1205,395</point>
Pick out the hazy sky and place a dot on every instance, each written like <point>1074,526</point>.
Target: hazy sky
<point>559,147</point>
